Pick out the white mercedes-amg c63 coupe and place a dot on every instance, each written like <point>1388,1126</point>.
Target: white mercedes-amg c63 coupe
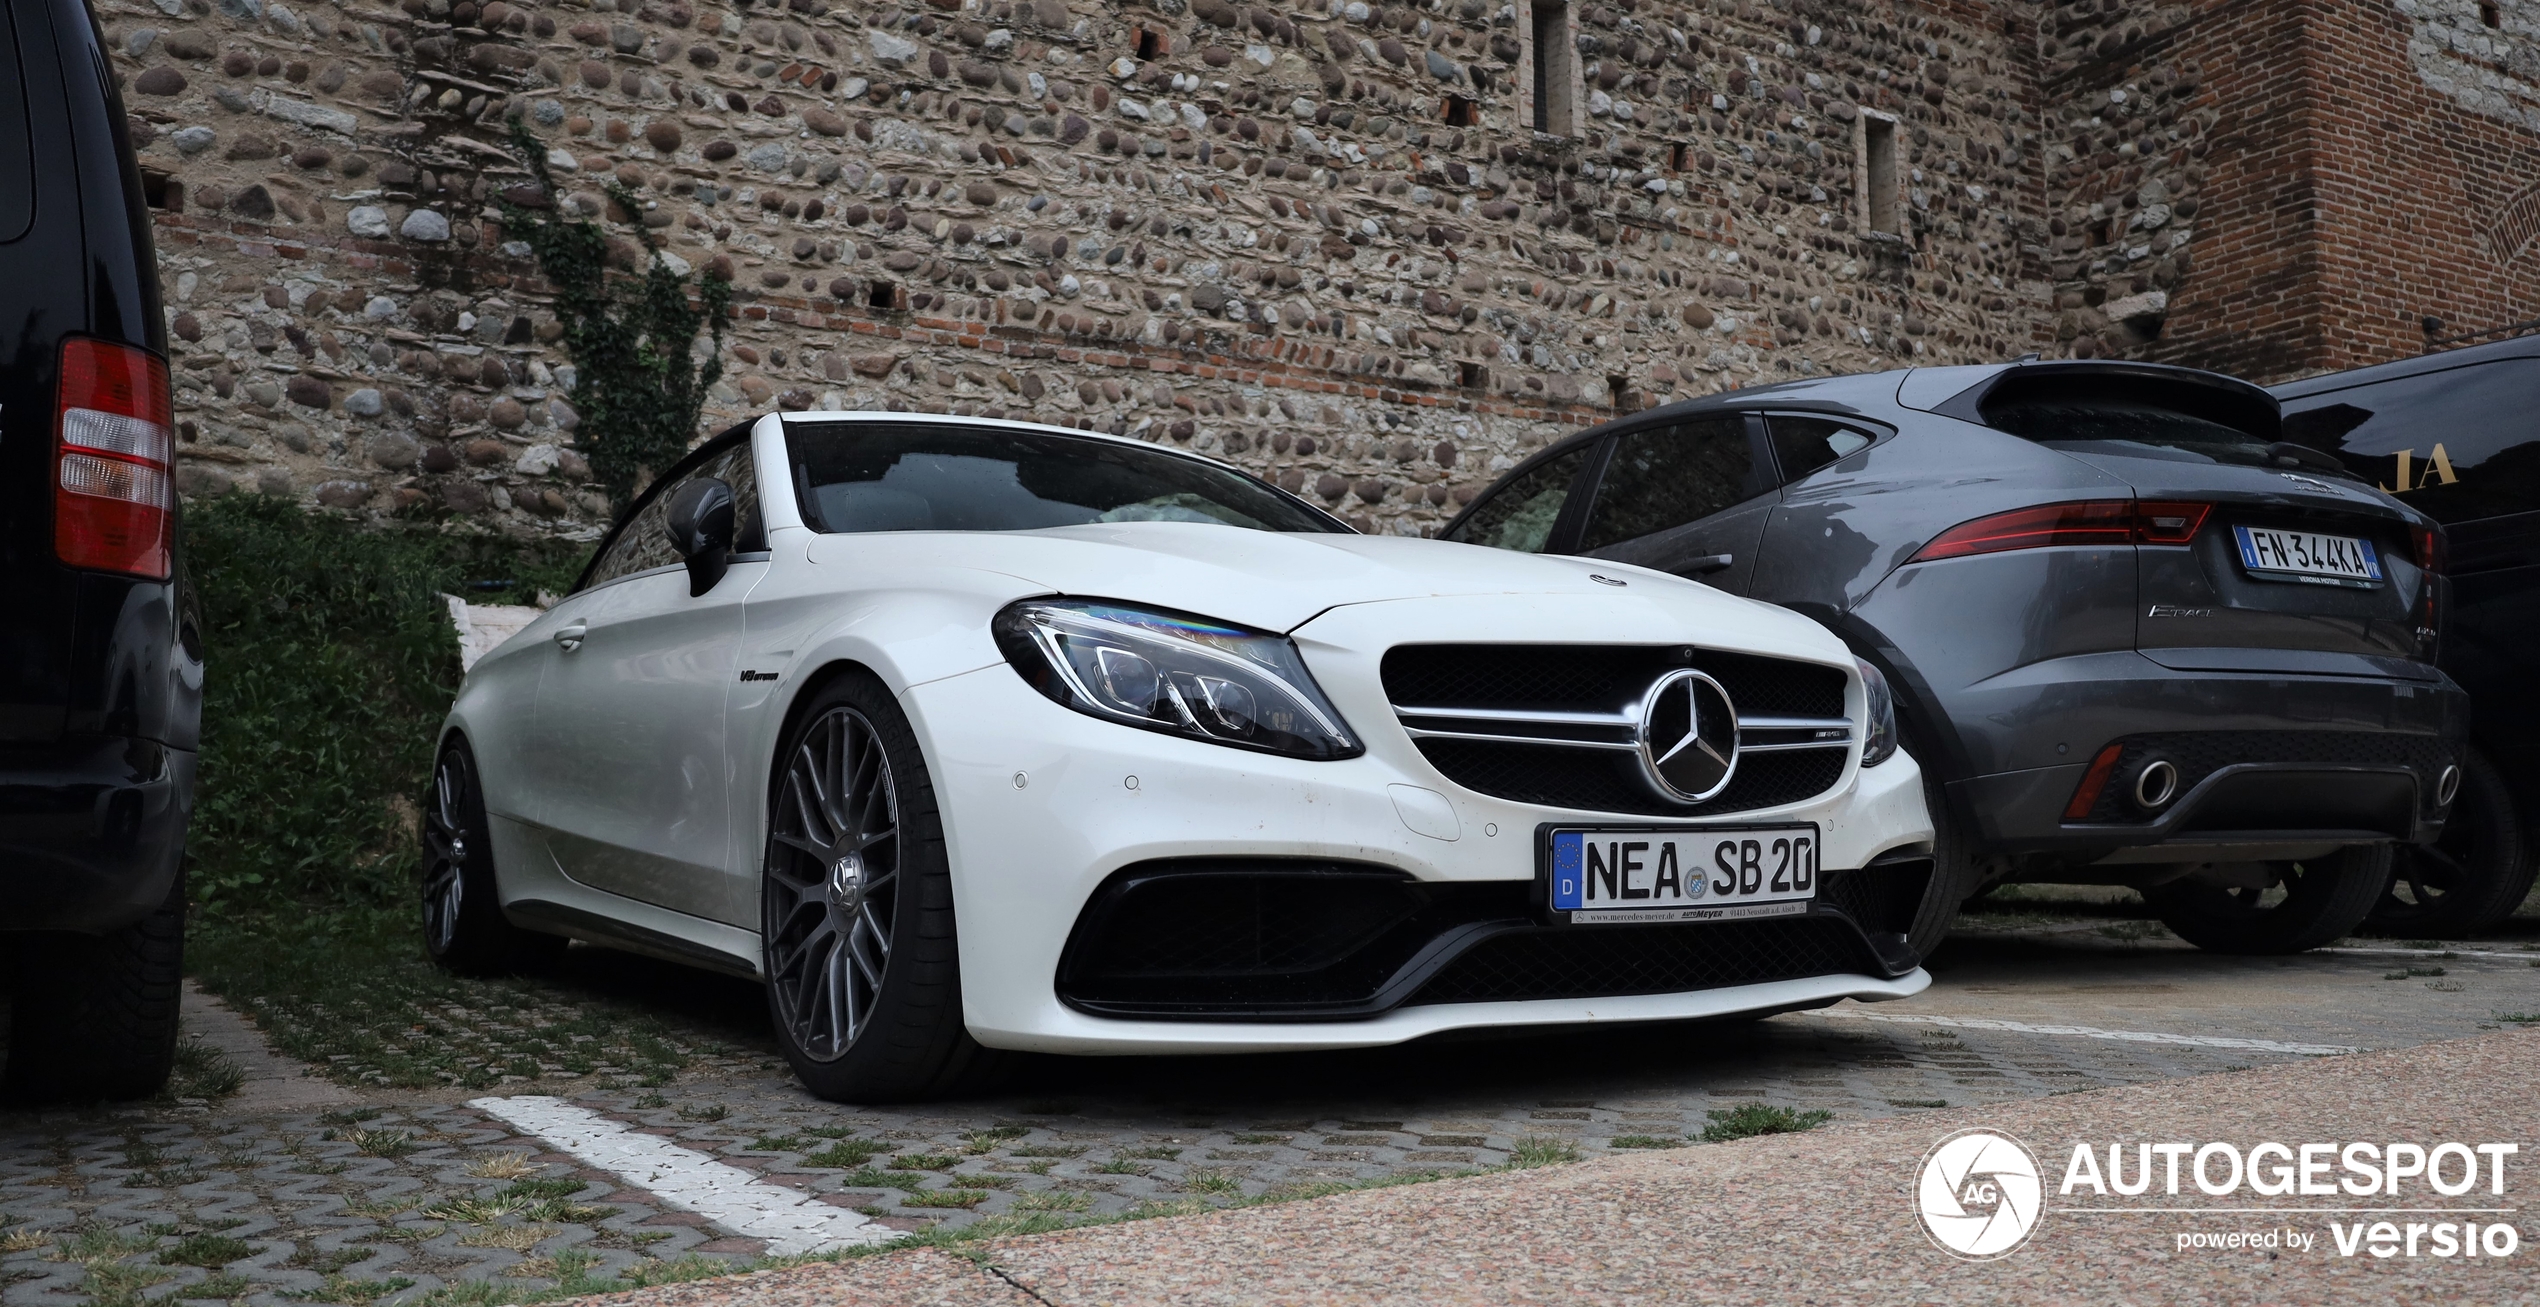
<point>969,735</point>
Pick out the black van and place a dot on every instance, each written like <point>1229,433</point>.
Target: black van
<point>2456,434</point>
<point>101,666</point>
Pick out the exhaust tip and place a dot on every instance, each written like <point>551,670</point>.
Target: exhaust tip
<point>2447,787</point>
<point>2155,784</point>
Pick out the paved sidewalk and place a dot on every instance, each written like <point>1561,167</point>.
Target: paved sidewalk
<point>1825,1217</point>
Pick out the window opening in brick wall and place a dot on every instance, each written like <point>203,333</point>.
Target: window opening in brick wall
<point>882,295</point>
<point>2491,15</point>
<point>1150,44</point>
<point>161,191</point>
<point>1471,375</point>
<point>1679,157</point>
<point>1461,111</point>
<point>1555,67</point>
<point>1878,174</point>
<point>1618,389</point>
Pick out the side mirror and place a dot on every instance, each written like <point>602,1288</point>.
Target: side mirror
<point>700,526</point>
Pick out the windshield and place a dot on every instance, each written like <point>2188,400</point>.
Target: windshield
<point>885,476</point>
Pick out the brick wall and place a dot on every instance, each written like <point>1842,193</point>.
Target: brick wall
<point>1258,237</point>
<point>2281,187</point>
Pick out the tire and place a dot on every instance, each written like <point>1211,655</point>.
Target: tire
<point>2315,903</point>
<point>96,1015</point>
<point>856,908</point>
<point>2471,878</point>
<point>464,929</point>
<point>1954,867</point>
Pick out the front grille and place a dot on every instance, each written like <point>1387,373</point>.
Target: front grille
<point>1612,961</point>
<point>1582,703</point>
<point>2199,754</point>
<point>1598,678</point>
<point>1604,780</point>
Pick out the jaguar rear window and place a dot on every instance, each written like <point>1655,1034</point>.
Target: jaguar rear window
<point>854,477</point>
<point>2130,415</point>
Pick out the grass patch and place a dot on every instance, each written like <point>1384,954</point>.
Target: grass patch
<point>2413,972</point>
<point>503,1166</point>
<point>1055,1150</point>
<point>1646,1141</point>
<point>869,1178</point>
<point>1157,1154</point>
<point>924,1162</point>
<point>704,1112</point>
<point>221,1287</point>
<point>382,1143</point>
<point>1537,1150</point>
<point>964,1198</point>
<point>1750,1119</point>
<point>209,1251</point>
<point>777,1144</point>
<point>2520,1018</point>
<point>203,1072</point>
<point>847,1153</point>
<point>1918,1102</point>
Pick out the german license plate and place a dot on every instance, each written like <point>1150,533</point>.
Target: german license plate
<point>2308,557</point>
<point>1610,876</point>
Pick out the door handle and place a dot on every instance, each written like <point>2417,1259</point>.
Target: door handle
<point>569,638</point>
<point>1704,564</point>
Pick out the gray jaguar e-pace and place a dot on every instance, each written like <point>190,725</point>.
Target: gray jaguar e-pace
<point>2134,636</point>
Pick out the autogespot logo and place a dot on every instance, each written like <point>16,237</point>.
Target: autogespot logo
<point>1980,1194</point>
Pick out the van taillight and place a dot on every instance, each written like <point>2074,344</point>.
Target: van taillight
<point>2084,522</point>
<point>114,498</point>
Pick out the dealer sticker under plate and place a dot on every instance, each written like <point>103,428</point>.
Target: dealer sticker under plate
<point>1608,876</point>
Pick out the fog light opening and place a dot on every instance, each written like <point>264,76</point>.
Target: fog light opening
<point>2155,784</point>
<point>2447,787</point>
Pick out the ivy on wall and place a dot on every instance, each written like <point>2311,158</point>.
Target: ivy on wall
<point>632,330</point>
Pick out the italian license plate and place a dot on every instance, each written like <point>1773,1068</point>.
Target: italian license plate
<point>1610,876</point>
<point>2308,557</point>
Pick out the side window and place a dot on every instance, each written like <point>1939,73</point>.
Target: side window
<point>1804,444</point>
<point>2461,444</point>
<point>1668,476</point>
<point>1521,514</point>
<point>644,543</point>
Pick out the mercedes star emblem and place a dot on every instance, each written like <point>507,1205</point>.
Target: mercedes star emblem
<point>1688,736</point>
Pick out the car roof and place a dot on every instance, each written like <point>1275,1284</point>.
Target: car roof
<point>2517,347</point>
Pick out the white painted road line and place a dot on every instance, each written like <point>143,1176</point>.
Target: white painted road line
<point>2088,1032</point>
<point>790,1220</point>
<point>2439,950</point>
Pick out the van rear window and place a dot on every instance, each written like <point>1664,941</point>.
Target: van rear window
<point>17,168</point>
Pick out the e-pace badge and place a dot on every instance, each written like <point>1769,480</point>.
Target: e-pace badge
<point>1980,1195</point>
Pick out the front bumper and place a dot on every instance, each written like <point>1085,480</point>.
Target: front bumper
<point>1042,805</point>
<point>91,828</point>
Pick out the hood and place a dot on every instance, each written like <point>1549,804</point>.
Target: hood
<point>1273,581</point>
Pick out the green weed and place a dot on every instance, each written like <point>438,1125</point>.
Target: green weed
<point>1750,1119</point>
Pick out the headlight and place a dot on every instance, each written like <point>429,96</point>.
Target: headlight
<point>1880,744</point>
<point>1174,673</point>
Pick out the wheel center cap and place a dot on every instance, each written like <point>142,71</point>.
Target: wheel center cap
<point>846,883</point>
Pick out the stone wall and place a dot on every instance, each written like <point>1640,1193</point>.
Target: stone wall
<point>2280,187</point>
<point>1319,240</point>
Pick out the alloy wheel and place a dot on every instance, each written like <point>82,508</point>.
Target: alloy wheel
<point>446,853</point>
<point>832,883</point>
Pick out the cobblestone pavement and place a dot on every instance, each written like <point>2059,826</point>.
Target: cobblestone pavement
<point>413,1196</point>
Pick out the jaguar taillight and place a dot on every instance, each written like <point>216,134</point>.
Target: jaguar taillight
<point>114,495</point>
<point>2082,522</point>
